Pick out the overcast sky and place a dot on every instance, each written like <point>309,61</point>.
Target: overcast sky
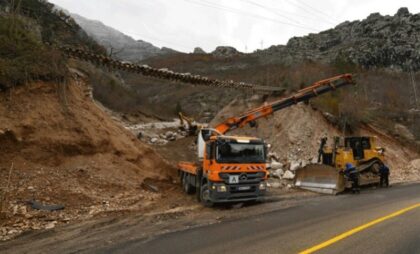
<point>244,24</point>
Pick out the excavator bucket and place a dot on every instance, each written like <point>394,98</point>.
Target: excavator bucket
<point>320,178</point>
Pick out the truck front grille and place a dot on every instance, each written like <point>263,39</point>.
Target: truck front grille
<point>244,178</point>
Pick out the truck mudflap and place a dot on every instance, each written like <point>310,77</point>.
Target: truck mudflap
<point>320,178</point>
<point>236,192</point>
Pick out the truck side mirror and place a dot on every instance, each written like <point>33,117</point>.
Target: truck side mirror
<point>205,134</point>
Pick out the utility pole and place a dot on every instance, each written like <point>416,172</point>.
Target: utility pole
<point>262,44</point>
<point>344,126</point>
<point>366,94</point>
<point>413,83</point>
<point>267,76</point>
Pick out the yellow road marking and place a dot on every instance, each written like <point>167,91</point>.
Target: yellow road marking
<point>357,229</point>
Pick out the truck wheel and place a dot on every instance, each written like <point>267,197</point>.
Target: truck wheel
<point>198,179</point>
<point>188,188</point>
<point>198,190</point>
<point>205,196</point>
<point>182,178</point>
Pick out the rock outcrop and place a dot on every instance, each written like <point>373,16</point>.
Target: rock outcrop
<point>199,50</point>
<point>225,51</point>
<point>377,41</point>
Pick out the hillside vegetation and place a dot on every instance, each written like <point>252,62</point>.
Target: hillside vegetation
<point>28,31</point>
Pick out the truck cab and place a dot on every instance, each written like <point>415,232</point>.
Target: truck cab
<point>231,169</point>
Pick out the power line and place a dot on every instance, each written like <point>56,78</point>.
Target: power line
<point>259,16</point>
<point>315,9</point>
<point>303,16</point>
<point>271,10</point>
<point>240,12</point>
<point>311,12</point>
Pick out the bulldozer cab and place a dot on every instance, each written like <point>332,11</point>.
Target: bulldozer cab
<point>358,145</point>
<point>355,150</point>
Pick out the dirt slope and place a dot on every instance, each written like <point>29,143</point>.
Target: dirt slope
<point>66,150</point>
<point>295,133</point>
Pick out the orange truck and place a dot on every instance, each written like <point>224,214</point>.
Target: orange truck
<point>233,168</point>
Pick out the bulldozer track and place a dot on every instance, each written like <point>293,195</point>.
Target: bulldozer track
<point>162,73</point>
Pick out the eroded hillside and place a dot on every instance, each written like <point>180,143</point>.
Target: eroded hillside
<point>60,148</point>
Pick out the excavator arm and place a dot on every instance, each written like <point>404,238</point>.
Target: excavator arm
<point>318,88</point>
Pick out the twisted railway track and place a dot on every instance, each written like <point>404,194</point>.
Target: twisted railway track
<point>162,73</point>
<point>145,70</point>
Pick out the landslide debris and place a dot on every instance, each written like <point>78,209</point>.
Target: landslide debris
<point>65,150</point>
<point>295,132</point>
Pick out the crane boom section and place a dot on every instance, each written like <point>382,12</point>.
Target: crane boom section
<point>318,88</point>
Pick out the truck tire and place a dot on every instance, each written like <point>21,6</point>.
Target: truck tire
<point>198,185</point>
<point>181,178</point>
<point>188,188</point>
<point>205,196</point>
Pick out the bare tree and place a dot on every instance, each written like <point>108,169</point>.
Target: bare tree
<point>413,83</point>
<point>113,52</point>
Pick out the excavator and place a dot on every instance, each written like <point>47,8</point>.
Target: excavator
<point>328,177</point>
<point>189,125</point>
<point>233,168</point>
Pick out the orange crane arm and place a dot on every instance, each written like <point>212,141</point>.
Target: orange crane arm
<point>305,94</point>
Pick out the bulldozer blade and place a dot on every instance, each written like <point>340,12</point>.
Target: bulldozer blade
<point>320,178</point>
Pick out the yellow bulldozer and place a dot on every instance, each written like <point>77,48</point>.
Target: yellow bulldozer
<point>328,175</point>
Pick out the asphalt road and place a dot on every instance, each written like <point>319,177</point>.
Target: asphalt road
<point>303,226</point>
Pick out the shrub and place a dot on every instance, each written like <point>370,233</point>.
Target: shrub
<point>23,57</point>
<point>344,65</point>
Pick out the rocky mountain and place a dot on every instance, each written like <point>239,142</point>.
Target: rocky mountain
<point>198,50</point>
<point>120,45</point>
<point>377,41</point>
<point>225,51</point>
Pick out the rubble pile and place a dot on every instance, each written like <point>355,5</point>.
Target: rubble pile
<point>22,217</point>
<point>157,133</point>
<point>282,173</point>
<point>295,133</point>
<point>67,152</point>
<point>410,173</point>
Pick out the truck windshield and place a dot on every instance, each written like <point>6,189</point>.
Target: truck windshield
<point>240,153</point>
